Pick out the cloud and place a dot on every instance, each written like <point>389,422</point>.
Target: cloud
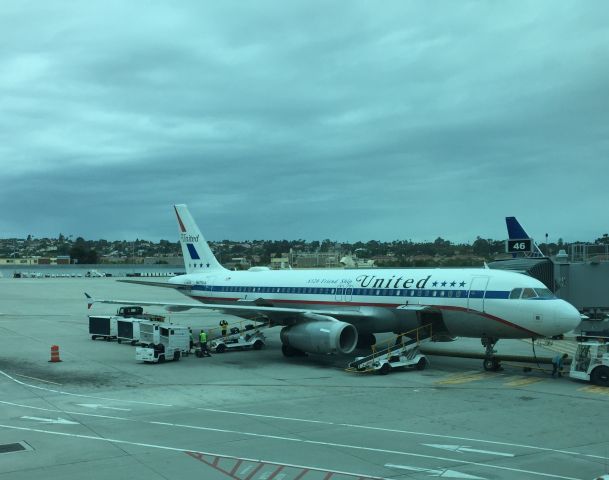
<point>305,119</point>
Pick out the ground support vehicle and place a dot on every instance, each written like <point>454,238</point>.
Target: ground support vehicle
<point>135,311</point>
<point>247,339</point>
<point>591,361</point>
<point>406,355</point>
<point>402,352</point>
<point>173,343</point>
<point>103,326</point>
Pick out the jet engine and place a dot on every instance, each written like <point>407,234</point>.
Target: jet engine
<point>325,336</point>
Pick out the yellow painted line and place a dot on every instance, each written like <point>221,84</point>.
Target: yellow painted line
<point>522,381</point>
<point>595,389</point>
<point>465,378</point>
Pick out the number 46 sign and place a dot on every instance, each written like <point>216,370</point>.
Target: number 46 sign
<point>515,246</point>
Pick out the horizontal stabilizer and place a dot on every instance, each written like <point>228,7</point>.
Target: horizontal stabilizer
<point>154,284</point>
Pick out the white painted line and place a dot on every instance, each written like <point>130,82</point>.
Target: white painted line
<point>38,379</point>
<point>436,473</point>
<point>265,416</point>
<point>328,444</point>
<point>97,405</point>
<point>183,450</point>
<point>462,448</point>
<point>81,395</point>
<point>410,432</point>
<point>58,420</point>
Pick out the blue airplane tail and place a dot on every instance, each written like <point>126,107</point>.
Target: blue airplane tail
<point>516,232</point>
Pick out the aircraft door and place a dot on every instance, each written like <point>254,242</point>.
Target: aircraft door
<point>212,288</point>
<point>477,290</point>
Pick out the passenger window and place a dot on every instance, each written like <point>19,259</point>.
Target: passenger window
<point>528,293</point>
<point>515,294</point>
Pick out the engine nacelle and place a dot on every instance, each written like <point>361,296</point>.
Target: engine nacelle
<point>329,336</point>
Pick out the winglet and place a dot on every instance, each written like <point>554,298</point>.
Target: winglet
<point>89,304</point>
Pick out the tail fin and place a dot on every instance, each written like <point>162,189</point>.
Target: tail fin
<point>198,257</point>
<point>516,232</point>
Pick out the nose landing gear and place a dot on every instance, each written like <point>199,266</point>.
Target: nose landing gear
<point>490,363</point>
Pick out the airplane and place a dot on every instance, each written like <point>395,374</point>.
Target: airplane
<point>332,311</point>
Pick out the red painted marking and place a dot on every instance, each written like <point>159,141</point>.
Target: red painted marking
<point>274,474</point>
<point>236,467</point>
<point>198,456</point>
<point>301,474</point>
<point>328,476</point>
<point>182,227</point>
<point>260,465</point>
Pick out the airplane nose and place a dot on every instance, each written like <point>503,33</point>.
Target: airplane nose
<point>567,317</point>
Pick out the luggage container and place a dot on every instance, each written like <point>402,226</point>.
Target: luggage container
<point>128,330</point>
<point>102,326</point>
<point>149,333</point>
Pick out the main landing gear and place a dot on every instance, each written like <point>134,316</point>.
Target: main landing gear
<point>366,340</point>
<point>490,363</point>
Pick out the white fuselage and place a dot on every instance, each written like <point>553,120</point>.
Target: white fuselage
<point>472,302</point>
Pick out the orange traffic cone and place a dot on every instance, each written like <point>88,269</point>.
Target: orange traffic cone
<point>55,354</point>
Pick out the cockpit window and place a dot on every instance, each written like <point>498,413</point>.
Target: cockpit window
<point>515,294</point>
<point>528,293</point>
<point>544,293</point>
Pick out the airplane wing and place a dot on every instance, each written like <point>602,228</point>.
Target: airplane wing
<point>278,315</point>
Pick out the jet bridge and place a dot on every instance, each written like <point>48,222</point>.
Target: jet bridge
<point>402,352</point>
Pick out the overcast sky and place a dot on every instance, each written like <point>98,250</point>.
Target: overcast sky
<point>283,120</point>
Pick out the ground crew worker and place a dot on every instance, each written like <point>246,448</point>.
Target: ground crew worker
<point>223,326</point>
<point>557,362</point>
<point>192,340</point>
<point>203,344</point>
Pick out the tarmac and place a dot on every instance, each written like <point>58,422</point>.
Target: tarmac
<point>255,415</point>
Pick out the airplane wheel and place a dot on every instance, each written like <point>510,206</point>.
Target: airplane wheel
<point>421,364</point>
<point>600,376</point>
<point>119,340</point>
<point>257,345</point>
<point>385,369</point>
<point>491,365</point>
